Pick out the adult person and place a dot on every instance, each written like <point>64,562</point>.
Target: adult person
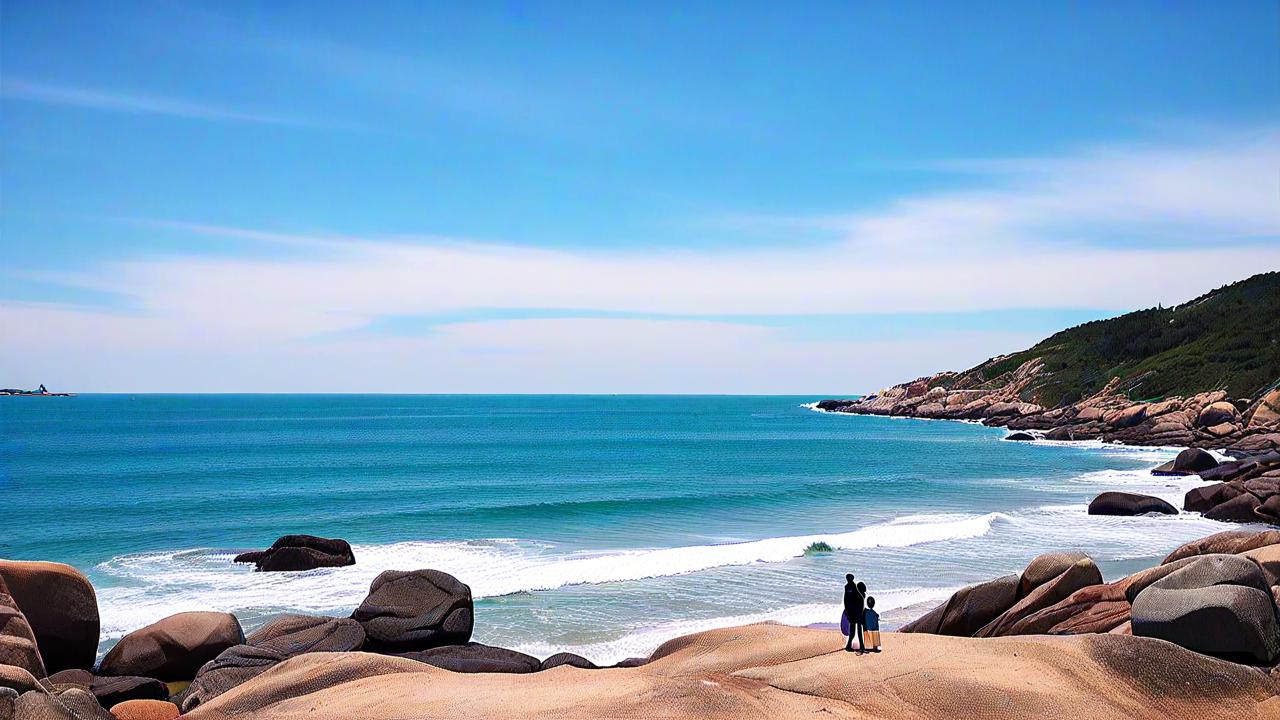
<point>855,596</point>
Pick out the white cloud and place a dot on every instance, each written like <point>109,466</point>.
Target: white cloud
<point>1027,240</point>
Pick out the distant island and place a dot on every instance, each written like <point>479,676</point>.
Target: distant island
<point>38,392</point>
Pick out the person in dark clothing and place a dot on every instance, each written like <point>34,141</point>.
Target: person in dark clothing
<point>871,625</point>
<point>855,595</point>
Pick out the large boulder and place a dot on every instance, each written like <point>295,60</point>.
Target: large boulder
<point>477,658</point>
<point>968,609</point>
<point>300,552</point>
<point>1123,503</point>
<point>173,648</point>
<point>1269,511</point>
<point>60,606</point>
<point>1228,542</point>
<point>1268,559</point>
<point>570,659</point>
<point>1218,605</point>
<point>1188,462</point>
<point>416,610</point>
<point>1079,574</point>
<point>1267,411</point>
<point>1046,567</point>
<point>17,679</point>
<point>1217,413</point>
<point>62,704</point>
<point>1203,499</point>
<point>1238,509</point>
<point>17,643</point>
<point>278,640</point>
<point>111,690</point>
<point>1091,609</point>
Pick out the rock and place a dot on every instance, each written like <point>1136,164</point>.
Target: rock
<point>1188,462</point>
<point>1229,542</point>
<point>296,634</point>
<point>968,609</point>
<point>1080,574</point>
<point>61,609</point>
<point>1217,413</point>
<point>631,662</point>
<point>566,658</point>
<point>1269,511</point>
<point>173,648</point>
<point>113,690</point>
<point>1091,609</point>
<point>1223,429</point>
<point>278,640</point>
<point>1046,567</point>
<point>300,552</point>
<point>1237,509</point>
<point>1217,604</point>
<point>145,710</point>
<point>1123,503</point>
<point>1268,560</point>
<point>771,671</point>
<point>1267,411</point>
<point>476,658</point>
<point>69,704</point>
<point>17,678</point>
<point>1127,417</point>
<point>1203,499</point>
<point>416,610</point>
<point>17,642</point>
<point>1020,436</point>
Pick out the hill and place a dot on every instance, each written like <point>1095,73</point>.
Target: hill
<point>1227,339</point>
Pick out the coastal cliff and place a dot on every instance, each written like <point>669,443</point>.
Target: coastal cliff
<point>1202,374</point>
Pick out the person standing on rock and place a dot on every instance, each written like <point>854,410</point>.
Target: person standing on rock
<point>854,598</point>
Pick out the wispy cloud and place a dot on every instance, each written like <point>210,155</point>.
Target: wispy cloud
<point>1030,239</point>
<point>139,104</point>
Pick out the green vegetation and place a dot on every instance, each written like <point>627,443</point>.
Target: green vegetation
<point>818,548</point>
<point>1227,339</point>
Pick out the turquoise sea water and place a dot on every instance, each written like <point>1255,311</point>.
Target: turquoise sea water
<point>599,524</point>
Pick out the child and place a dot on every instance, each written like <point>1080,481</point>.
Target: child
<point>871,623</point>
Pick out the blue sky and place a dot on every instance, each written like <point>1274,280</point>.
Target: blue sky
<point>684,197</point>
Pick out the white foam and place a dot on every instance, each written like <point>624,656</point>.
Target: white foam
<point>643,641</point>
<point>159,584</point>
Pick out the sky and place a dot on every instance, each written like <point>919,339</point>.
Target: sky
<point>690,197</point>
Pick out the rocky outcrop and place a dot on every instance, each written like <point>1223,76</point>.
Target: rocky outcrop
<point>566,658</point>
<point>1123,503</point>
<point>17,643</point>
<point>1217,604</point>
<point>1245,491</point>
<point>1191,461</point>
<point>969,609</point>
<point>174,648</point>
<point>300,552</point>
<point>771,671</point>
<point>61,609</point>
<point>275,642</point>
<point>416,610</point>
<point>110,690</point>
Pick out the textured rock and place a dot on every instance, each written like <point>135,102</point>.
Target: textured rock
<point>111,690</point>
<point>1022,436</point>
<point>69,704</point>
<point>1094,608</point>
<point>173,648</point>
<point>17,643</point>
<point>1269,511</point>
<point>1217,413</point>
<point>771,671</point>
<point>1268,560</point>
<point>61,608</point>
<point>416,610</point>
<point>1217,604</point>
<point>570,659</point>
<point>17,678</point>
<point>145,710</point>
<point>279,640</point>
<point>968,609</point>
<point>477,658</point>
<point>1229,542</point>
<point>1188,462</point>
<point>1046,567</point>
<point>1080,574</point>
<point>1238,509</point>
<point>1123,503</point>
<point>300,552</point>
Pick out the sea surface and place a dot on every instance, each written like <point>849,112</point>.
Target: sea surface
<point>597,524</point>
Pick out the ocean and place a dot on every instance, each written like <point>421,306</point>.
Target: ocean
<point>601,525</point>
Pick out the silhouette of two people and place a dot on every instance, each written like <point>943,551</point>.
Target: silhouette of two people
<point>855,599</point>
